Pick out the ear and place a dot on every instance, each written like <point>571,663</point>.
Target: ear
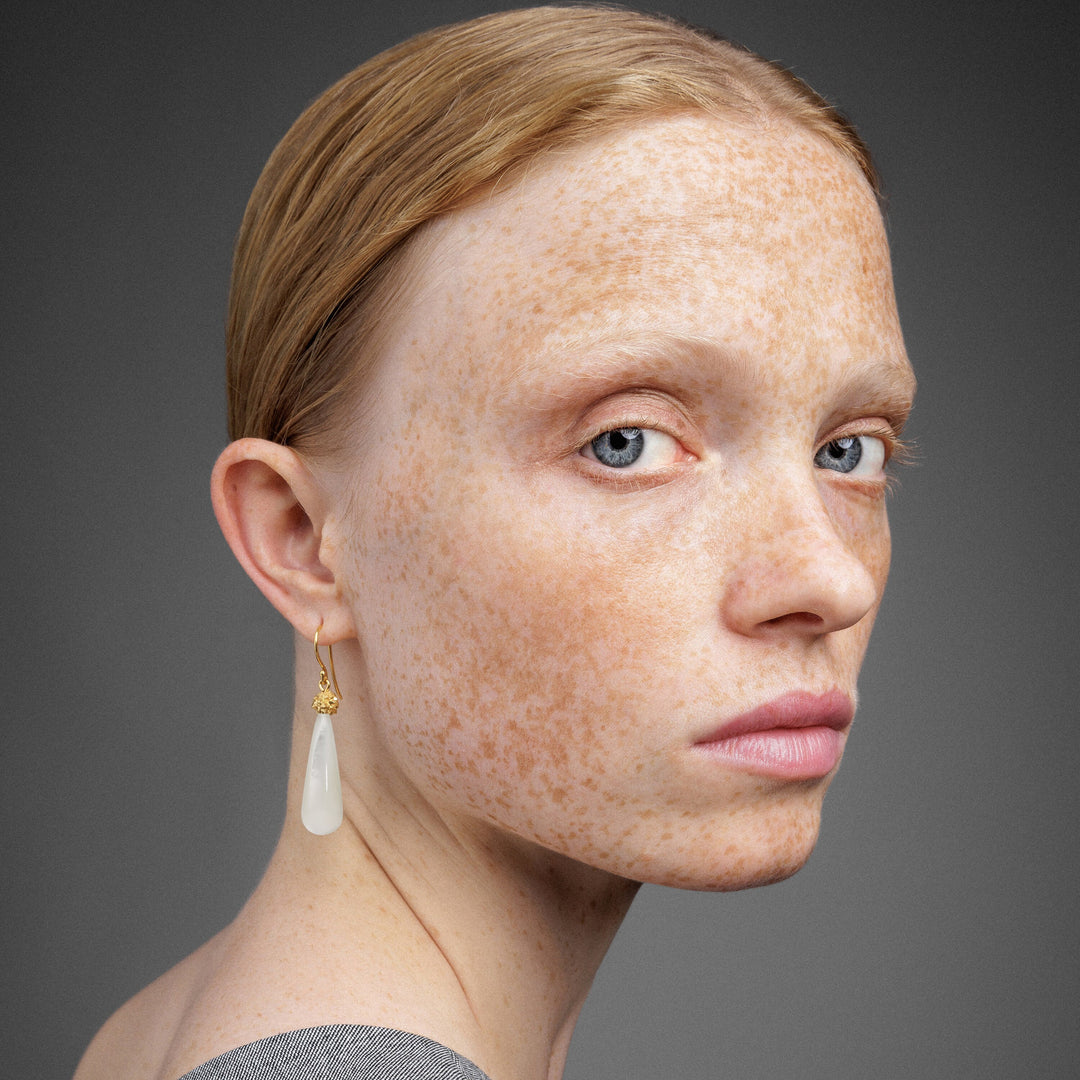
<point>272,511</point>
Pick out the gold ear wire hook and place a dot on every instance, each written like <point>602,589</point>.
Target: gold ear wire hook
<point>326,702</point>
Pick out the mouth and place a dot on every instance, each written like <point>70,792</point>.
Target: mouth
<point>797,736</point>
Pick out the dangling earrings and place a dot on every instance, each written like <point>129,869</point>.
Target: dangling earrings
<point>320,810</point>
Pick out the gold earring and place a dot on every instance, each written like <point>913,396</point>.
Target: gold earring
<point>321,810</point>
<point>326,700</point>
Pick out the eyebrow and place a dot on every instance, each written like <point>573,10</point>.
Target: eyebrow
<point>886,382</point>
<point>599,359</point>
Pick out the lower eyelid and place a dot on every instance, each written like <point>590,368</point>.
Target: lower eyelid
<point>629,480</point>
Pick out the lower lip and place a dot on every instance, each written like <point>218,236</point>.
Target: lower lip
<point>805,753</point>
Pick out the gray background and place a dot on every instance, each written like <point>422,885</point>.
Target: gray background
<point>147,684</point>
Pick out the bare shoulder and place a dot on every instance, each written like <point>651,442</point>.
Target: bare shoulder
<point>135,1042</point>
<point>276,968</point>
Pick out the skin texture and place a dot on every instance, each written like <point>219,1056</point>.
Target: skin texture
<point>531,644</point>
<point>546,638</point>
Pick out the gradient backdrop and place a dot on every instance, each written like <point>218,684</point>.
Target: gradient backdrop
<point>147,684</point>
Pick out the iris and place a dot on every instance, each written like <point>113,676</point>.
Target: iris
<point>619,448</point>
<point>840,455</point>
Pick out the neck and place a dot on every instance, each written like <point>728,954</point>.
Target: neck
<point>450,929</point>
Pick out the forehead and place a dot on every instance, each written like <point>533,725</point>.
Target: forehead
<point>764,239</point>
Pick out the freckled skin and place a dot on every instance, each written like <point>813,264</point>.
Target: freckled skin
<point>540,647</point>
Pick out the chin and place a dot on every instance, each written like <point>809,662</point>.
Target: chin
<point>733,858</point>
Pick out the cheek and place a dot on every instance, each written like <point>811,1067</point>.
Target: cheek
<point>522,649</point>
<point>524,645</point>
<point>863,526</point>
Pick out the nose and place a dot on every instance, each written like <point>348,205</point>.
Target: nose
<point>797,574</point>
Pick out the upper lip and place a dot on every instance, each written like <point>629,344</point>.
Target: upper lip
<point>797,709</point>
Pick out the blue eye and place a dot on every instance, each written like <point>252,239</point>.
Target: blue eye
<point>862,455</point>
<point>619,448</point>
<point>634,449</point>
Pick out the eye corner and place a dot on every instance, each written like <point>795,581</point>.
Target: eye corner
<point>903,452</point>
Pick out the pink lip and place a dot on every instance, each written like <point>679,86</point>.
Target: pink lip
<point>797,736</point>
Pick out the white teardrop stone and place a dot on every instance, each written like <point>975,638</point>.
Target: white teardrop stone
<point>321,808</point>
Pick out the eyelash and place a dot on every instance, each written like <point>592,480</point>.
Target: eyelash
<point>898,452</point>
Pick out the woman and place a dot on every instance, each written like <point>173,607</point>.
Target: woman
<point>564,369</point>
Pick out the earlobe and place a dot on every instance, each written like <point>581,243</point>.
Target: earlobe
<point>271,511</point>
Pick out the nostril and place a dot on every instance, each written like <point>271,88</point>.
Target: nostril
<point>797,618</point>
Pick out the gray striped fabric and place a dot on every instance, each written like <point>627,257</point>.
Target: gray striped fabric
<point>340,1052</point>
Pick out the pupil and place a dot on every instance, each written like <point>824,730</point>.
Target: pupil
<point>618,440</point>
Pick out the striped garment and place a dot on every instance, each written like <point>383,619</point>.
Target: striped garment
<point>340,1052</point>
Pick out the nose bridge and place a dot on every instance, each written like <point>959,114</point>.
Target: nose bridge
<point>794,567</point>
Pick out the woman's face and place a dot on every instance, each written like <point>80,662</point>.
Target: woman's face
<point>619,502</point>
